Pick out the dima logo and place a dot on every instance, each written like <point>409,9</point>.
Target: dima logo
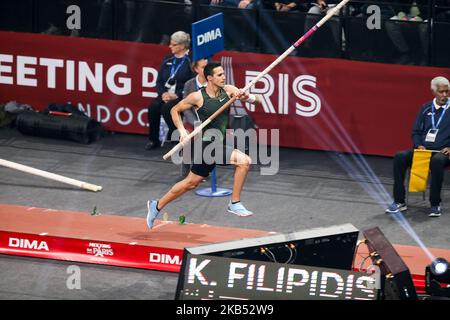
<point>208,36</point>
<point>164,258</point>
<point>27,244</point>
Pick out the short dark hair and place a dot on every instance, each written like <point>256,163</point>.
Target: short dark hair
<point>195,63</point>
<point>208,71</point>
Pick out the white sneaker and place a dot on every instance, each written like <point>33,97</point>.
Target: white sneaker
<point>239,209</point>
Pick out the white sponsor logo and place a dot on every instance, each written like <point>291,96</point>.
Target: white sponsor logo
<point>266,88</point>
<point>28,244</point>
<point>100,249</point>
<point>165,258</point>
<point>78,75</point>
<point>208,36</point>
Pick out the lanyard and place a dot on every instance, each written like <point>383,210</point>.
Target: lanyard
<point>435,126</point>
<point>174,71</point>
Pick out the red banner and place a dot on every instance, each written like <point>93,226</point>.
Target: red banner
<point>323,104</point>
<point>90,251</point>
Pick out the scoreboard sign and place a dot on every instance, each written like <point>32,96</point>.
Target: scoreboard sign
<point>212,277</point>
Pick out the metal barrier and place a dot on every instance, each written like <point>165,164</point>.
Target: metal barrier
<point>260,29</point>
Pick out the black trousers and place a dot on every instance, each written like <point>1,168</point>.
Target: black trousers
<point>155,110</point>
<point>438,163</point>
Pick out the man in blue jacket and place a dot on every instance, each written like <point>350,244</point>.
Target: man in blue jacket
<point>174,71</point>
<point>431,131</point>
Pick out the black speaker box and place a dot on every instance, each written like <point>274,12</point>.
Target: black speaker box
<point>59,125</point>
<point>329,247</point>
<point>399,284</point>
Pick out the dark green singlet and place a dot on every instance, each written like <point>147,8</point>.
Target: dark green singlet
<point>211,105</point>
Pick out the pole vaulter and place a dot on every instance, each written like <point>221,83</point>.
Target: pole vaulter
<point>329,14</point>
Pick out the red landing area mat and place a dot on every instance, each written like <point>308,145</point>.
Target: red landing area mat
<point>105,239</point>
<point>127,242</point>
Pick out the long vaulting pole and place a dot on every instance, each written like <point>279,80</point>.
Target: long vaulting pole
<point>49,175</point>
<point>329,14</point>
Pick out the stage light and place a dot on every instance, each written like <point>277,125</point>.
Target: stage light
<point>439,266</point>
<point>437,279</point>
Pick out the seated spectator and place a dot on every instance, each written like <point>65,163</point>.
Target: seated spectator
<point>392,17</point>
<point>412,15</point>
<point>386,11</point>
<point>285,5</point>
<point>190,116</point>
<point>396,31</point>
<point>247,4</point>
<point>194,84</point>
<point>442,10</point>
<point>319,8</point>
<point>225,3</point>
<point>175,70</point>
<point>431,131</point>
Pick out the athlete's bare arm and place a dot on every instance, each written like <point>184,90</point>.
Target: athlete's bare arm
<point>195,100</point>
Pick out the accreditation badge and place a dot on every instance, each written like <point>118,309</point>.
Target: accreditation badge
<point>431,135</point>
